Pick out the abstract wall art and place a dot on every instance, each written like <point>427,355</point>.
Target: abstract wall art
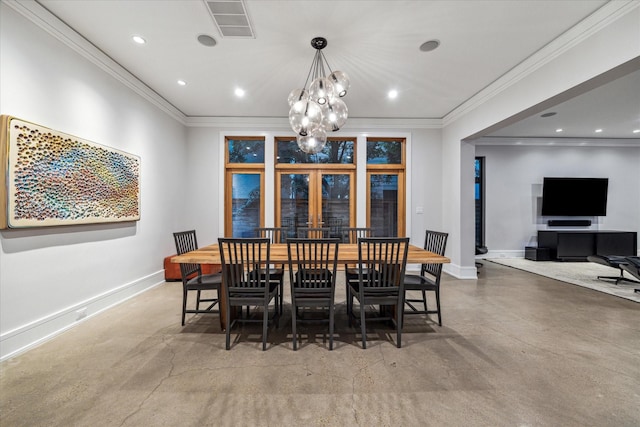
<point>49,178</point>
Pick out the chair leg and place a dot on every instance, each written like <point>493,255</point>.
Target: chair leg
<point>228,336</point>
<point>281,293</point>
<point>265,323</point>
<point>350,307</point>
<point>399,325</point>
<point>424,299</point>
<point>184,305</point>
<point>363,326</point>
<point>331,308</point>
<point>438,307</point>
<point>198,301</point>
<point>293,328</point>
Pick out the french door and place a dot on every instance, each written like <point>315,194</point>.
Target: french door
<point>323,197</point>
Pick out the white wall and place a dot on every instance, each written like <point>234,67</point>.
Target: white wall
<point>607,39</point>
<point>206,165</point>
<point>513,179</point>
<point>46,275</point>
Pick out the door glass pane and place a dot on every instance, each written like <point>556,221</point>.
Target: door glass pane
<point>245,151</point>
<point>384,152</point>
<point>335,203</point>
<point>294,202</point>
<point>335,151</point>
<point>384,205</point>
<point>245,210</point>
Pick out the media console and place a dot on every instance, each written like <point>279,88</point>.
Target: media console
<point>577,245</point>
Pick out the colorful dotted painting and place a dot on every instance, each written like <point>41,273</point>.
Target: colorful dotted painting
<point>56,179</point>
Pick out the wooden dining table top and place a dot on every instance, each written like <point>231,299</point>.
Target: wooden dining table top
<point>347,253</point>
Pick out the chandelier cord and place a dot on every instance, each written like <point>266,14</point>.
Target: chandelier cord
<point>326,62</point>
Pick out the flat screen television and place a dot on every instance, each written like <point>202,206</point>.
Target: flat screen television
<point>574,196</point>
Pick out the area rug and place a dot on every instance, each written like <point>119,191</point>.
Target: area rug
<point>577,273</point>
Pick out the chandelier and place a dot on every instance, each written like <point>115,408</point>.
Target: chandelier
<point>318,110</point>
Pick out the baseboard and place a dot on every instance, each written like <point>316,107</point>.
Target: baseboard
<point>517,253</point>
<point>26,337</point>
<point>460,272</point>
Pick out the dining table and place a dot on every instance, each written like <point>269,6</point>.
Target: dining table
<point>278,254</point>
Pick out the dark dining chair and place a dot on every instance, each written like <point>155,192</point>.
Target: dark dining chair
<point>192,278</point>
<point>276,273</point>
<point>382,263</point>
<point>351,235</point>
<point>289,224</point>
<point>313,232</point>
<point>312,275</point>
<point>335,226</point>
<point>247,282</point>
<point>428,279</point>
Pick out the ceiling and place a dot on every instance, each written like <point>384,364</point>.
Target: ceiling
<point>376,42</point>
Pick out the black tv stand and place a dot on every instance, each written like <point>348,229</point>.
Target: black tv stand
<point>577,245</point>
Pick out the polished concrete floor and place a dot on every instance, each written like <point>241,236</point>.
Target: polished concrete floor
<point>515,349</point>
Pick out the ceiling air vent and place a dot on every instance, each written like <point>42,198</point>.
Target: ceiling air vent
<point>231,18</point>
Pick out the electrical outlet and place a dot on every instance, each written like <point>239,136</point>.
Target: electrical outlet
<point>81,314</point>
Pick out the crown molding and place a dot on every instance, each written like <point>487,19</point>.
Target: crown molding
<point>595,22</point>
<point>558,142</point>
<point>40,16</point>
<point>353,123</point>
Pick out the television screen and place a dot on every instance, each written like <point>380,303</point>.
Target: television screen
<point>574,196</point>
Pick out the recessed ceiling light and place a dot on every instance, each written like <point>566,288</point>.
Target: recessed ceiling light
<point>559,130</point>
<point>206,40</point>
<point>182,83</point>
<point>598,130</point>
<point>139,40</point>
<point>549,114</point>
<point>392,94</point>
<point>239,92</point>
<point>430,45</point>
<point>636,131</point>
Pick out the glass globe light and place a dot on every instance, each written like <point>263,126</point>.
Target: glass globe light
<point>297,95</point>
<point>314,142</point>
<point>304,117</point>
<point>340,82</point>
<point>320,90</point>
<point>334,115</point>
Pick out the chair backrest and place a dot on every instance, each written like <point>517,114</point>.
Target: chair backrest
<point>436,242</point>
<point>274,234</point>
<point>351,235</point>
<point>314,262</point>
<point>289,224</point>
<point>186,241</point>
<point>335,226</point>
<point>243,263</point>
<point>313,232</point>
<point>382,262</point>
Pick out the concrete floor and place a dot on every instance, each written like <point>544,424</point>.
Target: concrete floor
<point>516,349</point>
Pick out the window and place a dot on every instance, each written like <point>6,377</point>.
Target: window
<point>386,186</point>
<point>244,186</point>
<point>315,190</point>
<point>336,151</point>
